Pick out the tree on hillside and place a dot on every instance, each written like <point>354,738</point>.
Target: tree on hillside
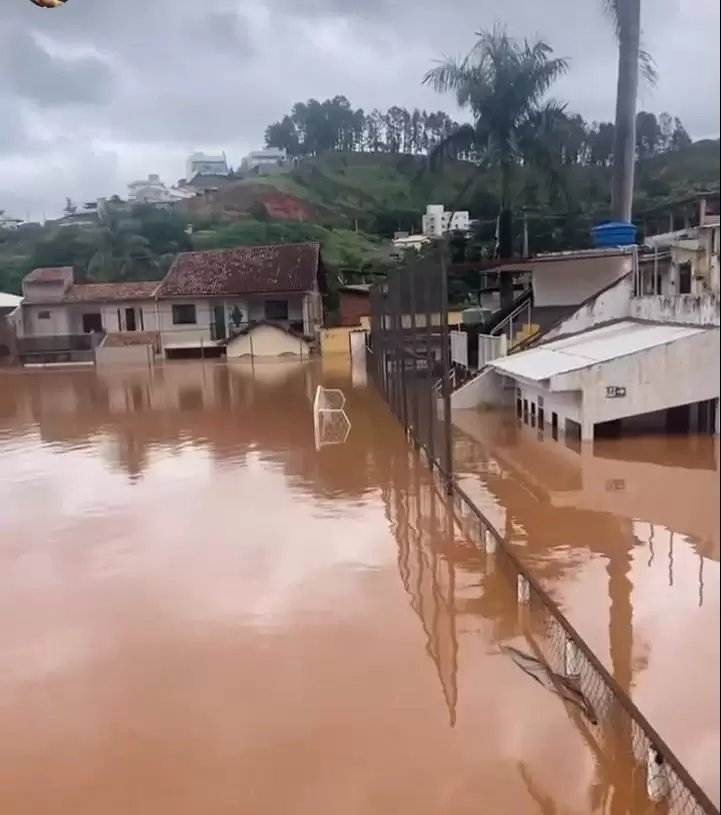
<point>120,252</point>
<point>503,83</point>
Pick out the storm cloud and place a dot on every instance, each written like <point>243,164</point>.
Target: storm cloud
<point>100,92</point>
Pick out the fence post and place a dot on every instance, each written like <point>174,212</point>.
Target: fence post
<point>657,786</point>
<point>446,362</point>
<point>523,590</point>
<point>572,658</point>
<point>489,539</point>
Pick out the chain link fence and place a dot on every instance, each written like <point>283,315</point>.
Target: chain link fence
<point>409,361</point>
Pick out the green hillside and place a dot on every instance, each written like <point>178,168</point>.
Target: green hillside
<point>351,203</point>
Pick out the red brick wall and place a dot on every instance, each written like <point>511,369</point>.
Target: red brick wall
<point>352,307</point>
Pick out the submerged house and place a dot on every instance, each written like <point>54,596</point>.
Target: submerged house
<point>617,341</point>
<point>257,300</point>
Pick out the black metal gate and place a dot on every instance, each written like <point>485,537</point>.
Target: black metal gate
<point>409,356</point>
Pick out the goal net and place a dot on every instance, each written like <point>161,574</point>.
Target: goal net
<point>330,421</point>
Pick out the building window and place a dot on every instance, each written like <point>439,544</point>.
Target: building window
<point>525,411</point>
<point>541,417</point>
<point>554,426</point>
<point>184,314</point>
<point>43,315</point>
<point>533,414</point>
<point>684,278</point>
<point>572,433</point>
<point>276,309</point>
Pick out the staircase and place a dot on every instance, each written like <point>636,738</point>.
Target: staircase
<point>522,337</point>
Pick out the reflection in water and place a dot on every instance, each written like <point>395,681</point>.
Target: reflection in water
<point>448,578</point>
<point>572,511</point>
<point>199,612</point>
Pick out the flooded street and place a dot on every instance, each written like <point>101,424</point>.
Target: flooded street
<point>201,614</point>
<point>625,536</point>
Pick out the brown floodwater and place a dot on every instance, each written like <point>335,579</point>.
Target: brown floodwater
<point>202,613</point>
<point>625,535</point>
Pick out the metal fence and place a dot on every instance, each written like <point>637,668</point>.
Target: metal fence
<point>409,361</point>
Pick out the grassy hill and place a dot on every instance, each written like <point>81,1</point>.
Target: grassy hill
<point>352,202</point>
<point>341,188</point>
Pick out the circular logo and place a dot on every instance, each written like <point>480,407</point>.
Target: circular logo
<point>48,3</point>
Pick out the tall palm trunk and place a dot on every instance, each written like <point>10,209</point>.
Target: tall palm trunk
<point>624,148</point>
<point>505,235</point>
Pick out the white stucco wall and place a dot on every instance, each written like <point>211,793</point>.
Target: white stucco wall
<point>692,309</point>
<point>109,315</point>
<point>677,373</point>
<point>483,391</point>
<point>569,282</point>
<point>189,336</point>
<point>611,304</point>
<point>566,405</point>
<point>125,355</point>
<point>267,341</point>
<point>57,323</point>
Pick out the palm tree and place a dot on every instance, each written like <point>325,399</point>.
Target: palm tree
<point>120,253</point>
<point>503,83</point>
<point>626,17</point>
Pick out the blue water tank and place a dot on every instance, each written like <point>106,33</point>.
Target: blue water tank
<point>614,233</point>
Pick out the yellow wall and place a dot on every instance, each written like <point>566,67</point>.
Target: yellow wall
<point>335,341</point>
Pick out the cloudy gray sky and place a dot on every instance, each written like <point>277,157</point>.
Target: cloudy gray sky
<point>100,92</point>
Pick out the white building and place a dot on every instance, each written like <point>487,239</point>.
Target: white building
<point>258,301</point>
<point>437,221</point>
<point>621,359</point>
<point>6,222</point>
<point>153,191</point>
<point>268,157</point>
<point>408,243</point>
<point>205,164</point>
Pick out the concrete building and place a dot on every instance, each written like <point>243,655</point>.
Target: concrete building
<point>619,361</point>
<point>261,159</point>
<point>153,191</point>
<point>6,222</point>
<point>205,164</point>
<point>437,221</point>
<point>221,303</point>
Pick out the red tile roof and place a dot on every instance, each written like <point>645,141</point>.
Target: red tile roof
<point>52,274</point>
<point>104,292</point>
<point>245,270</point>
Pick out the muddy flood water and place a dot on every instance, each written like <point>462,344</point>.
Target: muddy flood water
<point>625,536</point>
<point>202,613</point>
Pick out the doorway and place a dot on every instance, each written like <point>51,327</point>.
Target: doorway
<point>219,322</point>
<point>684,278</point>
<point>130,324</point>
<point>92,322</point>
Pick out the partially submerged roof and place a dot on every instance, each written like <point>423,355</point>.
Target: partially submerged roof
<point>590,348</point>
<point>245,270</point>
<point>110,292</point>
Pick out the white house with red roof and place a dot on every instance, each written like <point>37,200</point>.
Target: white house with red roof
<point>254,300</point>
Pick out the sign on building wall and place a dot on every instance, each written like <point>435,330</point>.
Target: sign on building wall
<point>615,392</point>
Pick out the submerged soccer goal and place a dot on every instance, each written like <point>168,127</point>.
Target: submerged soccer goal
<point>331,424</point>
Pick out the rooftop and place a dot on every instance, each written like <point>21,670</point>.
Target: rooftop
<point>104,292</point>
<point>589,348</point>
<point>244,270</point>
<point>53,274</point>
